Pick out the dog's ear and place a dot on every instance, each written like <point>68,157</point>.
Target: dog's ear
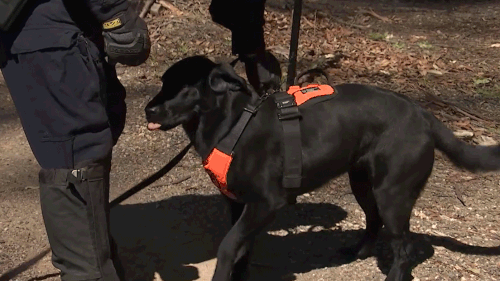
<point>223,78</point>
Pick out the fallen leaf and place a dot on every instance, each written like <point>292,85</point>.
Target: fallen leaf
<point>463,134</point>
<point>482,81</point>
<point>475,270</point>
<point>463,123</point>
<point>435,72</point>
<point>485,140</point>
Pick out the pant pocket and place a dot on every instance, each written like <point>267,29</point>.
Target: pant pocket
<point>65,210</point>
<point>54,152</point>
<point>94,60</point>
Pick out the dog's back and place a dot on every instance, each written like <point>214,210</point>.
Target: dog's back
<point>336,133</point>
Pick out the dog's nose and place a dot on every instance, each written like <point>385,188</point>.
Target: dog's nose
<point>153,110</point>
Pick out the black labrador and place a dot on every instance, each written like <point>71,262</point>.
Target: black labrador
<point>383,140</point>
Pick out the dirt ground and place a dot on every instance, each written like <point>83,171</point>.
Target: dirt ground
<point>445,56</point>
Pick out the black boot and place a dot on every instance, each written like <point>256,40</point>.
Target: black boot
<point>263,71</point>
<point>75,209</point>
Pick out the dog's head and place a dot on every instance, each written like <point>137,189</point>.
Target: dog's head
<point>190,86</point>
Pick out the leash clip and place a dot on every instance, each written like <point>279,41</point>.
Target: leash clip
<point>250,109</point>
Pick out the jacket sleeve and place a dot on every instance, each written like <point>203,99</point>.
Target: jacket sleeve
<point>104,10</point>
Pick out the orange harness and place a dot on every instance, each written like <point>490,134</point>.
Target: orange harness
<point>218,162</point>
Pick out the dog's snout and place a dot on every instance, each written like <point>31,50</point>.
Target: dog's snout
<point>151,111</point>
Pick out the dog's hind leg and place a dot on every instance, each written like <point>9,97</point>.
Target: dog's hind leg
<point>395,209</point>
<point>362,189</point>
<point>237,242</point>
<point>402,177</point>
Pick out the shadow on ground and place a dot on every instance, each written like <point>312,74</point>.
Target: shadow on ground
<point>166,236</point>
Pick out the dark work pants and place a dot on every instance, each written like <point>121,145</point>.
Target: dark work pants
<point>60,96</point>
<point>72,109</point>
<point>245,19</point>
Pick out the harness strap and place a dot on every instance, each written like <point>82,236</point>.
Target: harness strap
<point>227,143</point>
<point>289,115</point>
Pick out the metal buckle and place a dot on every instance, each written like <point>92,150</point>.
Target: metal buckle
<point>289,113</point>
<point>286,102</point>
<point>79,174</point>
<point>251,109</point>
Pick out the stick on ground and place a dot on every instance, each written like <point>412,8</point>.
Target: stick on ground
<point>146,8</point>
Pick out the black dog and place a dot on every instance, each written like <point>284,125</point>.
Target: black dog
<point>382,139</point>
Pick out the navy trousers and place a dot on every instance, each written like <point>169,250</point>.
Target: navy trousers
<point>72,108</point>
<point>69,100</point>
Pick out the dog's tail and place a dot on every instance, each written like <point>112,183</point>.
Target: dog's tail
<point>473,158</point>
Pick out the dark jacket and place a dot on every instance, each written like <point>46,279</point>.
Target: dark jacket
<point>55,23</point>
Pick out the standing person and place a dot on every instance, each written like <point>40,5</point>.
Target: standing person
<point>72,108</point>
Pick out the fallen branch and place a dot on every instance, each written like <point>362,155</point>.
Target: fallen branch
<point>351,24</point>
<point>375,15</point>
<point>181,180</point>
<point>146,8</point>
<point>458,109</point>
<point>449,116</point>
<point>434,99</point>
<point>171,7</point>
<point>473,115</point>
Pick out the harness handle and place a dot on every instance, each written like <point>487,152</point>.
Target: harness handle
<point>315,71</point>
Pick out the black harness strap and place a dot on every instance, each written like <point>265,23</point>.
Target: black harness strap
<point>289,115</point>
<point>227,144</point>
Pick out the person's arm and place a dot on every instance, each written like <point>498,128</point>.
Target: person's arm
<point>103,10</point>
<point>125,33</point>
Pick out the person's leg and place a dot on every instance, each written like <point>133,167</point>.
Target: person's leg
<point>245,19</point>
<point>59,96</point>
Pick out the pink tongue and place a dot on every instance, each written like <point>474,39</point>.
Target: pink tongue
<point>153,126</point>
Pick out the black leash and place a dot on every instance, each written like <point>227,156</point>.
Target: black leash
<point>294,43</point>
<point>151,179</point>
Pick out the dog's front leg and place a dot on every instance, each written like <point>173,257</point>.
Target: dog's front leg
<point>236,209</point>
<point>243,258</point>
<point>238,241</point>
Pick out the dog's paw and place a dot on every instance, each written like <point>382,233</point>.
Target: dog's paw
<point>350,253</point>
<point>364,252</point>
<point>291,199</point>
<point>356,252</point>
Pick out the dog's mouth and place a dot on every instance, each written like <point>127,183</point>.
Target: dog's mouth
<point>153,126</point>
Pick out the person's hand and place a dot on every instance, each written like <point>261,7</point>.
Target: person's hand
<point>263,71</point>
<point>126,38</point>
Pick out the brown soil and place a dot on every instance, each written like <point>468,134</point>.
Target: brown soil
<point>171,230</point>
